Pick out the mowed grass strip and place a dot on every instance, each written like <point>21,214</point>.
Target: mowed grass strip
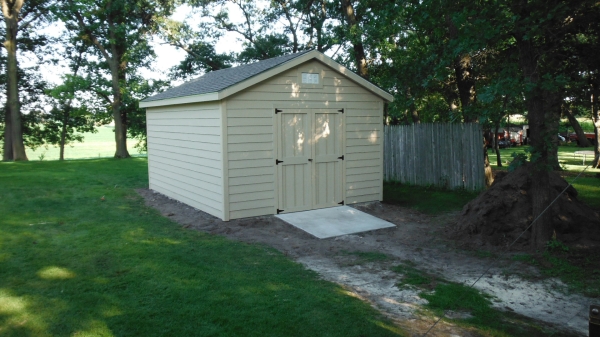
<point>100,144</point>
<point>72,264</point>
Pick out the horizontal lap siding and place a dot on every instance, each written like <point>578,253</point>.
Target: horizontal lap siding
<point>364,135</point>
<point>251,172</point>
<point>185,154</point>
<point>251,145</point>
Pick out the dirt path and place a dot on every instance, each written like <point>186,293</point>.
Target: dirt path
<point>417,238</point>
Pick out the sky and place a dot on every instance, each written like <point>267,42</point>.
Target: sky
<point>169,56</point>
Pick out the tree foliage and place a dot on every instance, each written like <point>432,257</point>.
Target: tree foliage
<point>116,32</point>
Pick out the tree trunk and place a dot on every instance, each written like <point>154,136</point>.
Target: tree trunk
<point>358,48</point>
<point>11,12</point>
<point>539,168</point>
<point>63,133</point>
<point>466,86</point>
<point>117,72</point>
<point>489,175</point>
<point>552,109</point>
<point>291,27</point>
<point>463,70</point>
<point>415,116</point>
<point>581,140</point>
<point>596,119</point>
<point>7,152</point>
<point>119,118</point>
<point>496,145</point>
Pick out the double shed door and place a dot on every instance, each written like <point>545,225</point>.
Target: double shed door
<point>310,158</point>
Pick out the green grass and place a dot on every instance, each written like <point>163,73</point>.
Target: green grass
<point>444,296</point>
<point>412,276</point>
<point>566,157</point>
<point>588,189</point>
<point>429,200</point>
<point>74,265</point>
<point>586,125</point>
<point>95,145</point>
<point>578,270</point>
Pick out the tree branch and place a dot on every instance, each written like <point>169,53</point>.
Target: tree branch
<point>26,24</point>
<point>89,34</point>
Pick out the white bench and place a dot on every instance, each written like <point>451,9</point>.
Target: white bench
<point>584,154</point>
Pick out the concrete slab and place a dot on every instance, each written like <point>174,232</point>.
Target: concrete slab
<point>335,221</point>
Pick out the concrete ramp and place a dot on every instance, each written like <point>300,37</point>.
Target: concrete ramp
<point>335,221</point>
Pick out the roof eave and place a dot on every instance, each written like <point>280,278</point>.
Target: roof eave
<point>211,96</point>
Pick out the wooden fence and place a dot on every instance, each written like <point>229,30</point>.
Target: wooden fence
<point>443,155</point>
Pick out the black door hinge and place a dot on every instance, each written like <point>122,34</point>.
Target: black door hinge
<point>341,110</point>
<point>279,210</point>
<point>277,110</point>
<point>342,157</point>
<point>278,161</point>
<point>341,203</point>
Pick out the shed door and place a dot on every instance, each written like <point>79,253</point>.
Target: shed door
<point>294,152</point>
<point>327,175</point>
<point>309,166</point>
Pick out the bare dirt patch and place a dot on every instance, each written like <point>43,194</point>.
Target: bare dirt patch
<point>499,216</point>
<point>418,238</point>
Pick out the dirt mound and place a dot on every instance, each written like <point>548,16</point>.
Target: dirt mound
<point>500,214</point>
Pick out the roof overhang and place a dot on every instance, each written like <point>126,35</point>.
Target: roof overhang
<point>216,96</point>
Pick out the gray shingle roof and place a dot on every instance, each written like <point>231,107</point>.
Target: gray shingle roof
<point>216,81</point>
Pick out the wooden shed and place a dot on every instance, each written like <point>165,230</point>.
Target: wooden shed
<point>287,134</point>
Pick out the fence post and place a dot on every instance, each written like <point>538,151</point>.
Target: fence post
<point>594,321</point>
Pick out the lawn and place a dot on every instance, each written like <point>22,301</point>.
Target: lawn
<point>95,145</point>
<point>566,157</point>
<point>80,255</point>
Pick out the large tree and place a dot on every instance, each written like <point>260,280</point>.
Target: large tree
<point>20,17</point>
<point>117,33</point>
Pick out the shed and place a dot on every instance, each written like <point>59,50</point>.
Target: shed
<point>287,134</point>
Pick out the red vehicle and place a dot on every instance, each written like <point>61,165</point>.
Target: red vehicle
<point>591,137</point>
<point>504,140</point>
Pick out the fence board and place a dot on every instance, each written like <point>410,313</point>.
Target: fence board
<point>443,155</point>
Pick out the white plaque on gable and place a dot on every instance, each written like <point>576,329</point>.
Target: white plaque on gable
<point>310,78</point>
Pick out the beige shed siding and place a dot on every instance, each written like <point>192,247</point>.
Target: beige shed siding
<point>185,154</point>
<point>251,131</point>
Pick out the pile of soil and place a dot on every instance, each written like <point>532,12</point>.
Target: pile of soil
<point>499,215</point>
